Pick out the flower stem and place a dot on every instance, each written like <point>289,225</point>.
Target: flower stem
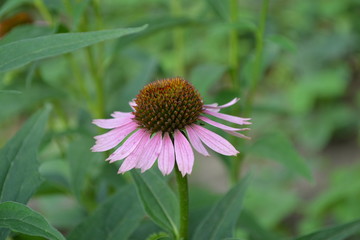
<point>258,63</point>
<point>178,40</point>
<point>184,204</point>
<point>234,43</point>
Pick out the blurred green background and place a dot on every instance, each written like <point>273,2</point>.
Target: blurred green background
<point>304,153</point>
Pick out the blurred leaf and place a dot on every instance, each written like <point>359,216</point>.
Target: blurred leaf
<point>19,53</point>
<point>284,42</point>
<point>9,92</point>
<point>330,83</point>
<point>251,225</point>
<point>158,200</point>
<point>19,176</point>
<point>220,8</point>
<point>277,147</point>
<point>339,232</point>
<point>9,5</point>
<point>115,219</point>
<point>221,220</point>
<point>12,104</point>
<point>156,25</point>
<point>22,219</point>
<point>205,76</point>
<point>81,159</point>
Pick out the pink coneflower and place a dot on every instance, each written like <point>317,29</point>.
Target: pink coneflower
<point>165,122</point>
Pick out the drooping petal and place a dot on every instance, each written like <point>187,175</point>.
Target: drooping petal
<point>232,102</point>
<point>229,118</point>
<point>236,134</point>
<point>112,138</point>
<point>166,159</point>
<point>218,125</point>
<point>132,160</point>
<point>113,122</point>
<point>128,146</point>
<point>183,152</point>
<point>121,114</point>
<point>152,152</point>
<point>214,141</point>
<point>195,141</point>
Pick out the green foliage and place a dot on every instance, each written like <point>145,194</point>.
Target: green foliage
<point>335,233</point>
<point>22,219</point>
<point>221,220</point>
<point>294,67</point>
<point>158,200</point>
<point>116,218</point>
<point>22,52</point>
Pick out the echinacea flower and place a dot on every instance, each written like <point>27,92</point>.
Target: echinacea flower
<point>166,121</point>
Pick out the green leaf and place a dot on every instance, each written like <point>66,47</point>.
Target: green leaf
<point>10,5</point>
<point>276,146</point>
<point>81,159</point>
<point>22,219</point>
<point>220,8</point>
<point>252,226</point>
<point>19,53</point>
<point>339,232</point>
<point>205,75</point>
<point>19,176</point>
<point>115,219</point>
<point>158,200</point>
<point>9,92</point>
<point>30,98</point>
<point>221,220</point>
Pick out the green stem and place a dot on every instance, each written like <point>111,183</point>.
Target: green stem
<point>98,81</point>
<point>234,43</point>
<point>184,204</point>
<point>44,11</point>
<point>178,40</point>
<point>258,63</point>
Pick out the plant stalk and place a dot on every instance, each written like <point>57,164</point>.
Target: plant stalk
<point>184,203</point>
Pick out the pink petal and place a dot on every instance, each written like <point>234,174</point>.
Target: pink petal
<point>153,149</point>
<point>232,102</point>
<point>112,138</point>
<point>212,107</point>
<point>229,118</point>
<point>195,141</point>
<point>166,159</point>
<point>183,152</point>
<point>121,114</point>
<point>236,134</point>
<point>112,123</point>
<point>129,145</point>
<point>132,160</point>
<point>218,125</point>
<point>214,141</point>
<point>132,104</point>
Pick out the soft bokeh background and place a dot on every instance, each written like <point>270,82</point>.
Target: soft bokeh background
<point>304,154</point>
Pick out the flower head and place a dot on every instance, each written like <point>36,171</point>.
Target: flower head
<point>164,124</point>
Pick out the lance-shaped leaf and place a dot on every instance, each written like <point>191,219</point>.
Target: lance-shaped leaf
<point>19,175</point>
<point>20,218</point>
<point>115,219</point>
<point>158,200</point>
<point>19,53</point>
<point>221,220</point>
<point>340,232</point>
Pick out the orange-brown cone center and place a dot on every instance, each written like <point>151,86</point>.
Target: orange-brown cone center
<point>168,104</point>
